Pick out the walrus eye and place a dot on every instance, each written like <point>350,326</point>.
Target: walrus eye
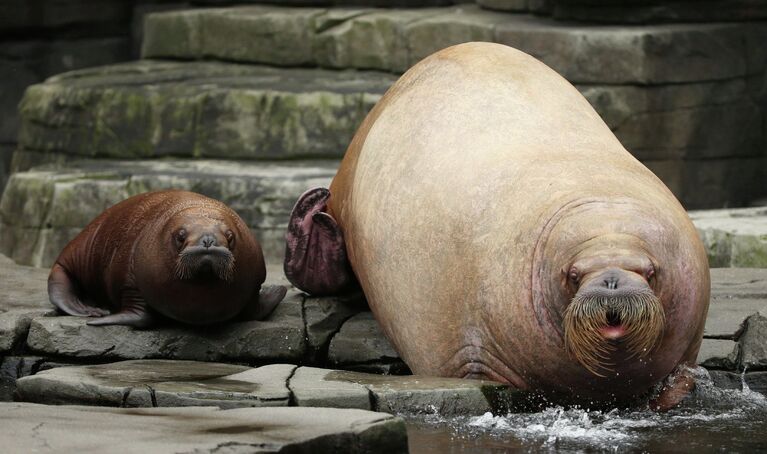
<point>229,238</point>
<point>574,276</point>
<point>180,236</point>
<point>650,273</point>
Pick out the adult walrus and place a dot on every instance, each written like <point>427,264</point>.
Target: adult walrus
<point>499,230</point>
<point>176,253</point>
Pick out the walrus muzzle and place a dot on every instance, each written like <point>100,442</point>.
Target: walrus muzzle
<point>637,310</point>
<point>199,262</point>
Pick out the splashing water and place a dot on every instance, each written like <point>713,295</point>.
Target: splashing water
<point>710,420</point>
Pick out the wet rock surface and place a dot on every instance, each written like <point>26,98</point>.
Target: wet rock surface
<point>27,427</point>
<point>165,383</point>
<point>325,333</point>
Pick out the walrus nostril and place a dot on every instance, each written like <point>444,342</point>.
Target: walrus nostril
<point>611,283</point>
<point>208,241</point>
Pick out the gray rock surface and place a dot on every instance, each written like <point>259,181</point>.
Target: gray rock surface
<point>24,296</point>
<point>324,317</point>
<point>280,338</point>
<point>44,208</point>
<point>213,110</point>
<point>28,427</point>
<point>160,383</point>
<point>313,387</point>
<point>360,345</point>
<point>163,383</point>
<point>718,354</point>
<point>396,39</point>
<point>753,343</point>
<point>756,381</point>
<point>734,238</point>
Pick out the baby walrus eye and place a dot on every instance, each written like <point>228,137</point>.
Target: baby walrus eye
<point>230,238</point>
<point>180,237</point>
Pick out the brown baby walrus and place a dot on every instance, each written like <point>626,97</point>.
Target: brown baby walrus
<point>499,230</point>
<point>175,253</point>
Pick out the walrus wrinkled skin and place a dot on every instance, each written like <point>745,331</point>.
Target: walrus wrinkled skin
<point>499,230</point>
<point>176,253</point>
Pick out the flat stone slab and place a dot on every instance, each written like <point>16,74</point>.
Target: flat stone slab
<point>395,39</point>
<point>213,110</point>
<point>160,383</point>
<point>24,296</point>
<point>280,338</point>
<point>735,237</point>
<point>736,294</point>
<point>43,209</point>
<point>28,427</point>
<point>163,383</point>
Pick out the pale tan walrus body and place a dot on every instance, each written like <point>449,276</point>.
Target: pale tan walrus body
<point>482,195</point>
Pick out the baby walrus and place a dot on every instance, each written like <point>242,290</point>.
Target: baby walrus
<point>500,230</point>
<point>175,253</point>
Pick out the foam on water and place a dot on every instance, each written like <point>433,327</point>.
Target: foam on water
<point>620,429</point>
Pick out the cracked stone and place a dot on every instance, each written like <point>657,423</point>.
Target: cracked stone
<point>24,296</point>
<point>414,394</point>
<point>313,387</point>
<point>280,338</point>
<point>324,318</point>
<point>23,426</point>
<point>160,383</point>
<point>361,343</point>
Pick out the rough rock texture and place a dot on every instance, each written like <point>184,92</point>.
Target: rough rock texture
<point>756,381</point>
<point>753,343</point>
<point>734,238</point>
<point>360,345</point>
<point>24,296</point>
<point>278,338</point>
<point>151,109</point>
<point>30,427</point>
<point>396,39</point>
<point>43,209</point>
<point>162,383</point>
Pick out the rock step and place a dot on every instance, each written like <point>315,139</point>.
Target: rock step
<point>26,427</point>
<point>695,136</point>
<point>161,383</point>
<point>734,238</point>
<point>395,39</point>
<point>153,109</point>
<point>44,208</point>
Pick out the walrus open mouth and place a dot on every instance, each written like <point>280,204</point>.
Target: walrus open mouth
<point>197,262</point>
<point>596,326</point>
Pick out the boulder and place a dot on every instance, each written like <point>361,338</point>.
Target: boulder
<point>360,345</point>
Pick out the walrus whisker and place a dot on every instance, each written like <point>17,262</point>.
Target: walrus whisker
<point>641,315</point>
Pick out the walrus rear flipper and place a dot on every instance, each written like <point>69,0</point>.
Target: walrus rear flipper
<point>133,312</point>
<point>62,294</point>
<point>315,253</point>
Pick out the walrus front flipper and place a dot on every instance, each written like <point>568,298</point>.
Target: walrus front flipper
<point>62,294</point>
<point>268,298</point>
<point>133,312</point>
<point>315,253</point>
<point>677,387</point>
